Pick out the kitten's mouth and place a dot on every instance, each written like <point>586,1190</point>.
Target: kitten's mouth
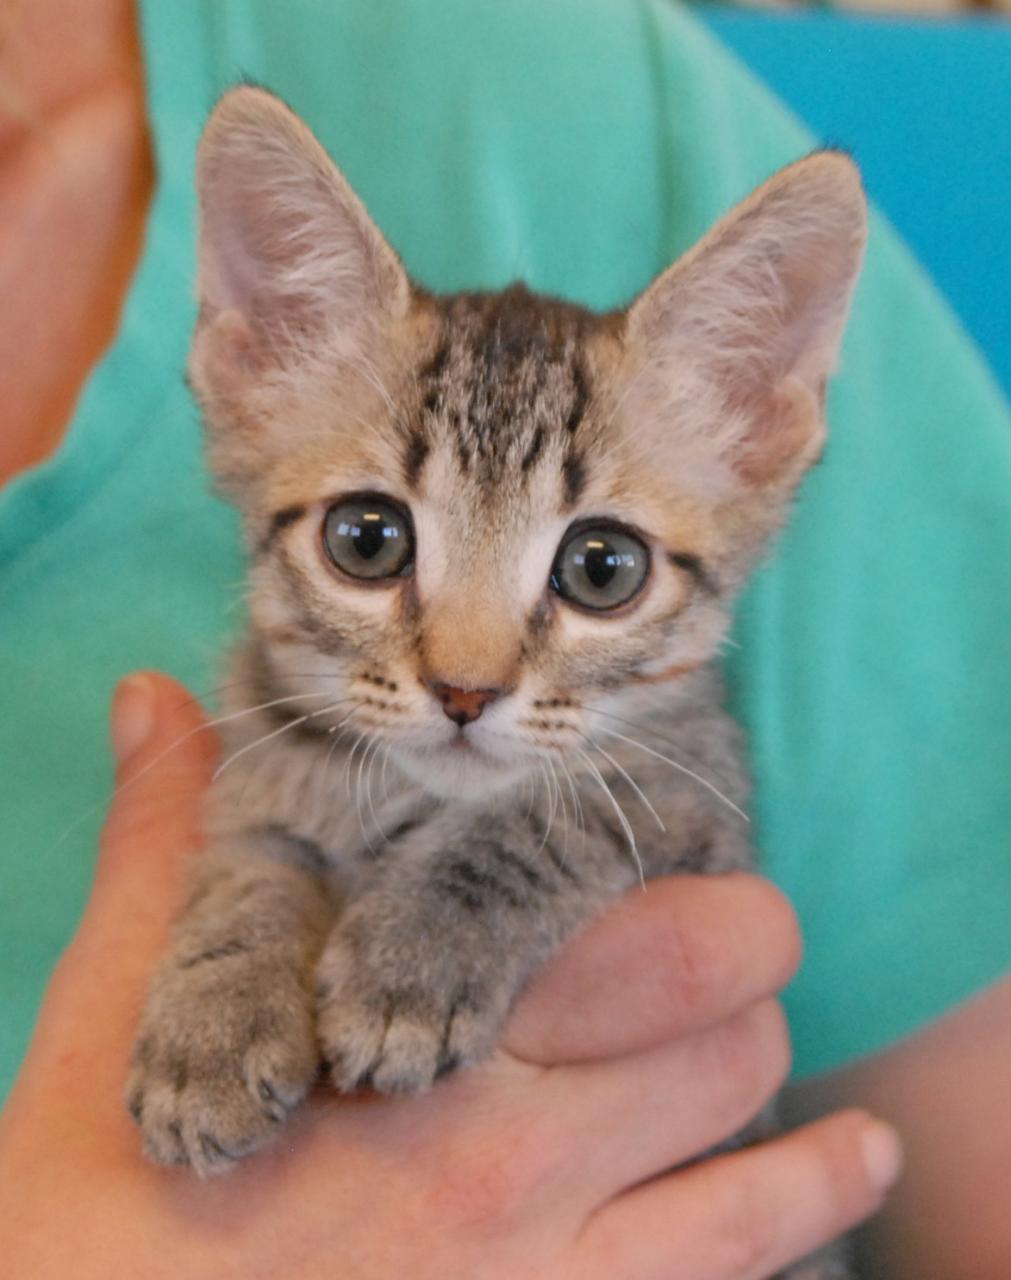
<point>458,765</point>
<point>461,750</point>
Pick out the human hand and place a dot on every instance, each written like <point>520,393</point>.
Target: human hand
<point>650,1038</point>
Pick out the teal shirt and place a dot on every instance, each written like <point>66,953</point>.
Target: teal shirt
<point>581,145</point>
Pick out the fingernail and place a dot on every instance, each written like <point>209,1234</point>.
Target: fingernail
<point>882,1153</point>
<point>133,708</point>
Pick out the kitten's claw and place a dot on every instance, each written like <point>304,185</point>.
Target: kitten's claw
<point>214,1073</point>
<point>380,1029</point>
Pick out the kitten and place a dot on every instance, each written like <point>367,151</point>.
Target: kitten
<point>494,543</point>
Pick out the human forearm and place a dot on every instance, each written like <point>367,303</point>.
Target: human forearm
<point>945,1089</point>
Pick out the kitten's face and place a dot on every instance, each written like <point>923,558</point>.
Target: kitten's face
<point>529,554</point>
<point>485,525</point>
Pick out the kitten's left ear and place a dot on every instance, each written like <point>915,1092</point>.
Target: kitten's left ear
<point>288,256</point>
<point>733,344</point>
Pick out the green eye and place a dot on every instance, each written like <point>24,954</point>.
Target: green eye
<point>600,568</point>
<point>369,537</point>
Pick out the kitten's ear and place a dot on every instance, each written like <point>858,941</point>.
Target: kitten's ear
<point>287,253</point>
<point>735,341</point>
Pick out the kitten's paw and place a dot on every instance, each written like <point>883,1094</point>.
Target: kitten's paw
<point>397,1027</point>
<point>219,1063</point>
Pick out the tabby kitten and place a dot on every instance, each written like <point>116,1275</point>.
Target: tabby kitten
<point>494,541</point>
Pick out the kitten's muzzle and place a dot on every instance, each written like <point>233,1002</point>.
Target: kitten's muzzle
<point>463,705</point>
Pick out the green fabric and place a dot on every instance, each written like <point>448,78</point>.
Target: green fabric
<point>581,145</point>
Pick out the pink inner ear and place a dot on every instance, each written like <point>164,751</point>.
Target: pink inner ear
<point>258,253</point>
<point>785,436</point>
<point>230,353</point>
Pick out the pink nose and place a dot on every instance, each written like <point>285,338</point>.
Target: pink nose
<point>463,705</point>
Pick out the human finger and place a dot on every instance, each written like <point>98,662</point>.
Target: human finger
<point>634,1117</point>
<point>165,755</point>
<point>164,760</point>
<point>683,955</point>
<point>746,1215</point>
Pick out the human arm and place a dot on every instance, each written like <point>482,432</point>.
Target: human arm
<point>946,1090</point>
<point>651,1037</point>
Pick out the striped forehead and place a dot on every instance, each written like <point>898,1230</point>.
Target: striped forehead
<point>506,387</point>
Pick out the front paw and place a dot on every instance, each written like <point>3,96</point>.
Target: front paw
<point>226,1049</point>
<point>399,1010</point>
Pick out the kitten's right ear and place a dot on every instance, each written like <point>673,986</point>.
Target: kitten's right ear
<point>288,256</point>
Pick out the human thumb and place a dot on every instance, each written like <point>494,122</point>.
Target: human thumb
<point>165,753</point>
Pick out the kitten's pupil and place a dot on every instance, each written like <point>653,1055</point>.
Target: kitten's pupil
<point>601,563</point>
<point>370,537</point>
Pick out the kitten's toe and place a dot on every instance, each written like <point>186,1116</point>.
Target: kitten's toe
<point>410,1057</point>
<point>211,1081</point>
<point>390,1035</point>
<point>352,1039</point>
<point>216,1118</point>
<point>390,1054</point>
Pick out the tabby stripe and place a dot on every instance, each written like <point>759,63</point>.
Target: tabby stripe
<point>291,713</point>
<point>280,521</point>
<point>505,856</point>
<point>234,947</point>
<point>614,834</point>
<point>465,881</point>
<point>574,476</point>
<point>559,863</point>
<point>403,829</point>
<point>304,852</point>
<point>433,369</point>
<point>581,385</point>
<point>534,450</point>
<point>696,859</point>
<point>471,900</point>
<point>545,845</point>
<point>694,566</point>
<point>415,458</point>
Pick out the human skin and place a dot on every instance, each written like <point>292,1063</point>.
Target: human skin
<point>946,1091</point>
<point>76,174</point>
<point>651,1037</point>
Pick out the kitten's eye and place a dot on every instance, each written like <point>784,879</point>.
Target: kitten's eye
<point>600,568</point>
<point>369,537</point>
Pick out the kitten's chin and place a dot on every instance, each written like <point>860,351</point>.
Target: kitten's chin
<point>458,771</point>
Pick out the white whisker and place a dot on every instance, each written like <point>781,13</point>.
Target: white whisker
<point>377,744</point>
<point>528,781</point>
<point>185,737</point>
<point>577,804</point>
<point>552,786</point>
<point>336,742</point>
<point>382,775</point>
<point>562,805</point>
<point>291,724</point>
<point>626,826</point>
<point>629,779</point>
<point>347,763</point>
<point>674,764</point>
<point>358,795</point>
<point>547,791</point>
